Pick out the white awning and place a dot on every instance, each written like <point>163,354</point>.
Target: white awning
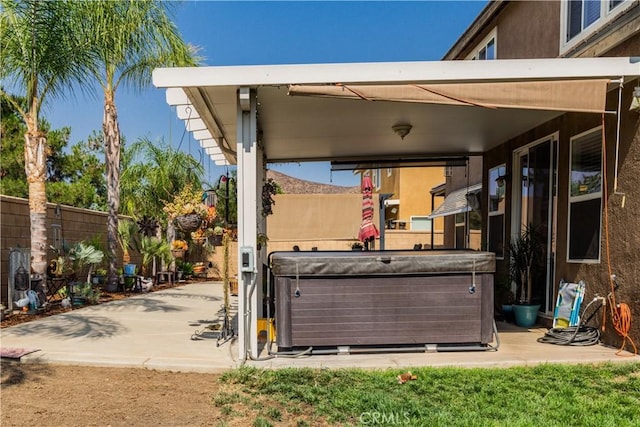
<point>455,202</point>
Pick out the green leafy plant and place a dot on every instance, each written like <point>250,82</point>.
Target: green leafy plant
<point>126,231</point>
<point>186,268</point>
<point>269,189</point>
<point>87,291</point>
<point>82,255</point>
<point>526,258</point>
<point>153,248</point>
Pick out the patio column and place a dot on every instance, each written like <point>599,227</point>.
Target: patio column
<point>249,159</point>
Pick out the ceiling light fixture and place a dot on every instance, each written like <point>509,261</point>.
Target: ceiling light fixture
<point>402,129</point>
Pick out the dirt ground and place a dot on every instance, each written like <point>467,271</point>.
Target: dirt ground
<point>61,395</point>
<point>55,395</point>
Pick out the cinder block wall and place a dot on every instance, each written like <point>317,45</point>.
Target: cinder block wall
<point>74,224</point>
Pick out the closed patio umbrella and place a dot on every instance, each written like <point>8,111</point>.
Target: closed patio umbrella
<point>368,231</point>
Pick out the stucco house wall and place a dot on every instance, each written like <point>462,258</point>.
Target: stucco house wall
<point>517,24</point>
<point>415,184</point>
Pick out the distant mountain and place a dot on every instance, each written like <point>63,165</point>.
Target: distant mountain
<point>291,185</point>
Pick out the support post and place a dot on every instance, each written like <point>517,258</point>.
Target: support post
<point>248,160</point>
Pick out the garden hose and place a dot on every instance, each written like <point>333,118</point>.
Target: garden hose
<point>581,335</point>
<point>573,335</point>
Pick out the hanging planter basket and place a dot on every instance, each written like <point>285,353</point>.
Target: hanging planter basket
<point>188,223</point>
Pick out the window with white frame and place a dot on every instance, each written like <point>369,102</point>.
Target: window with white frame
<point>585,197</point>
<point>389,172</point>
<point>495,223</point>
<point>583,17</point>
<point>376,178</point>
<point>486,49</point>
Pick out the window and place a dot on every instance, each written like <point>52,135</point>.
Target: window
<point>486,49</point>
<point>376,179</point>
<point>580,15</point>
<point>475,230</point>
<point>421,223</point>
<point>496,190</point>
<point>461,231</point>
<point>389,172</point>
<point>475,226</point>
<point>614,3</point>
<point>585,197</point>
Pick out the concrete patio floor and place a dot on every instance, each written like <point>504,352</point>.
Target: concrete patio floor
<point>174,330</point>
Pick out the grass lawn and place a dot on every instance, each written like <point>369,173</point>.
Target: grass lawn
<point>545,395</point>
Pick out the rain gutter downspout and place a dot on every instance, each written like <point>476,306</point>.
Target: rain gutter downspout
<point>617,154</point>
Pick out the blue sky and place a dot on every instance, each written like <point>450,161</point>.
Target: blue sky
<point>249,33</point>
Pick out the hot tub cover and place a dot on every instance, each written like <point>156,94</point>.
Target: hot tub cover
<point>363,263</point>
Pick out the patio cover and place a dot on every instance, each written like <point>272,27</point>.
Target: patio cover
<point>454,107</point>
<point>244,115</point>
<point>455,202</point>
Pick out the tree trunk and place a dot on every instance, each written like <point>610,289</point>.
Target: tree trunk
<point>111,132</point>
<point>35,166</point>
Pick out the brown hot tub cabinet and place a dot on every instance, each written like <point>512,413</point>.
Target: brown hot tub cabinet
<point>394,299</point>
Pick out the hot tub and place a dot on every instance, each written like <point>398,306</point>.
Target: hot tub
<point>383,298</point>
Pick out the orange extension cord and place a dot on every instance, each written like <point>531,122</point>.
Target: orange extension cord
<point>620,313</point>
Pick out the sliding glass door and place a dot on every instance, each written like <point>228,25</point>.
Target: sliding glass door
<point>535,204</point>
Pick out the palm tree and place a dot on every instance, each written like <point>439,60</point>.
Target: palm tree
<point>130,38</point>
<point>159,172</point>
<point>41,56</point>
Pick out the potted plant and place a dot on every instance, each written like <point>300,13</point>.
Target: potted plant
<point>218,231</point>
<point>504,296</point>
<point>187,210</point>
<point>82,255</point>
<point>185,269</point>
<point>152,249</point>
<point>526,261</point>
<point>179,247</point>
<point>126,231</point>
<point>99,276</point>
<point>84,293</point>
<point>357,246</point>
